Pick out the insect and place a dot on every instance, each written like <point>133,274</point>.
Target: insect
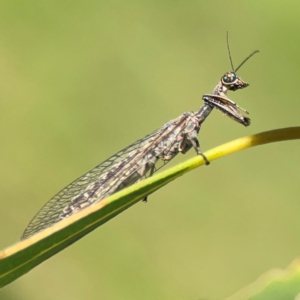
<point>139,160</point>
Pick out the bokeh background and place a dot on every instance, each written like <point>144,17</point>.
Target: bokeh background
<point>80,80</point>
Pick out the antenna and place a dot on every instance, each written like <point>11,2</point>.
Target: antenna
<point>234,70</point>
<point>229,53</point>
<point>256,51</point>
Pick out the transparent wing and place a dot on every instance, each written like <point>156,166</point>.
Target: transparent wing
<point>117,172</point>
<point>49,213</point>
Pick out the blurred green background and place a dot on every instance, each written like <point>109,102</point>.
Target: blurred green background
<point>80,80</point>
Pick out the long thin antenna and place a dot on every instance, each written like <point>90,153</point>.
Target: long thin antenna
<point>229,53</point>
<point>256,51</point>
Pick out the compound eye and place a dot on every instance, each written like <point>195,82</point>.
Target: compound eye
<point>229,77</point>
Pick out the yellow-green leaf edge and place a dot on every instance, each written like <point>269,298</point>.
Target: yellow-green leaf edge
<point>25,255</point>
